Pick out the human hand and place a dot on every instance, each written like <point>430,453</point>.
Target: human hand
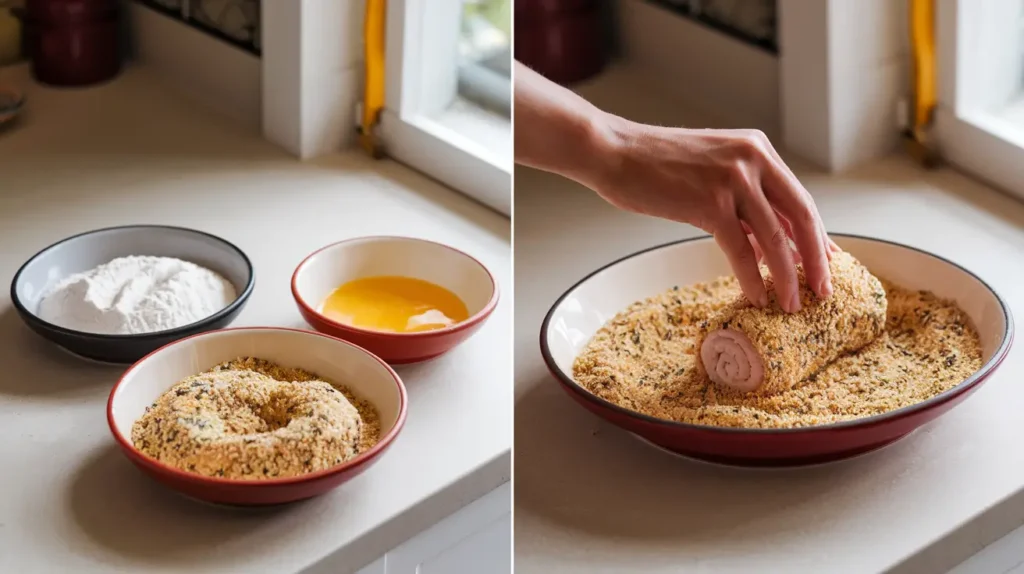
<point>730,183</point>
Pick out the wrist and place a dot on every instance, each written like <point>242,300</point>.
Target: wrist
<point>605,142</point>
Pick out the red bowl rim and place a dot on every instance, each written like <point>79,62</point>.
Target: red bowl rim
<point>979,376</point>
<point>460,326</point>
<point>363,458</point>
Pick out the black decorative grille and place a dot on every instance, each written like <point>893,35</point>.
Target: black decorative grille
<point>234,21</point>
<point>752,21</point>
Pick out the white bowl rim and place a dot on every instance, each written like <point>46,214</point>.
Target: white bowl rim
<point>472,320</point>
<point>375,450</point>
<point>240,298</point>
<point>977,377</point>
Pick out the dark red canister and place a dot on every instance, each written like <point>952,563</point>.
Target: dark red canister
<point>73,42</point>
<point>563,40</point>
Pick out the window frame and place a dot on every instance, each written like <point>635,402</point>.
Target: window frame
<point>415,36</point>
<point>491,90</point>
<point>968,133</point>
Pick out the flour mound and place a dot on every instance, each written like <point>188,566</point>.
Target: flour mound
<point>136,294</point>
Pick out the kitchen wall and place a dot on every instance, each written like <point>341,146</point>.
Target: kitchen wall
<point>824,78</point>
<point>733,80</point>
<point>234,21</point>
<point>844,71</point>
<point>290,69</point>
<point>747,20</point>
<point>312,73</point>
<point>211,55</point>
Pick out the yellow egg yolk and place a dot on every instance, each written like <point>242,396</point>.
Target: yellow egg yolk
<point>395,304</point>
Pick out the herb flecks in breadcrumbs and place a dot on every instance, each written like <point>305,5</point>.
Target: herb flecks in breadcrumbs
<point>251,419</point>
<point>645,359</point>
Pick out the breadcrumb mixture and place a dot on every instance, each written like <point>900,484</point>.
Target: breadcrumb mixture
<point>645,359</point>
<point>251,419</point>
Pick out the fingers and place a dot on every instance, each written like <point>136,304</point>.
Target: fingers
<point>772,237</point>
<point>758,252</point>
<point>793,202</point>
<point>797,258</point>
<point>830,246</point>
<point>730,237</point>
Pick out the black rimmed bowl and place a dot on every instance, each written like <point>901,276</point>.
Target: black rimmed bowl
<point>88,250</point>
<point>585,307</point>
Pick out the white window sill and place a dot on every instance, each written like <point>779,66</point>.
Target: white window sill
<point>463,146</point>
<point>986,143</point>
<point>1007,123</point>
<point>491,132</point>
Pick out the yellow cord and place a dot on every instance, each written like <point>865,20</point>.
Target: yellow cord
<point>922,39</point>
<point>373,91</point>
<point>922,35</point>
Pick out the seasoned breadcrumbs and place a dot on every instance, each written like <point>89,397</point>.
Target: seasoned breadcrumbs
<point>251,419</point>
<point>797,345</point>
<point>644,359</point>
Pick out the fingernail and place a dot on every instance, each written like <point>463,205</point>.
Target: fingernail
<point>826,288</point>
<point>762,300</point>
<point>794,303</point>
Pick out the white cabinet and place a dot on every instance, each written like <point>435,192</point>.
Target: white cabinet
<point>476,539</point>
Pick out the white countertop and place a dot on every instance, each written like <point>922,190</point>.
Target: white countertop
<point>129,152</point>
<point>591,499</point>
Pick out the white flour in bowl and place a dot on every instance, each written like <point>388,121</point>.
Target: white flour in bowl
<point>136,294</point>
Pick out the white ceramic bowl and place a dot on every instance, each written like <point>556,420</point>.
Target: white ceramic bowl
<point>341,362</point>
<point>586,306</point>
<point>328,268</point>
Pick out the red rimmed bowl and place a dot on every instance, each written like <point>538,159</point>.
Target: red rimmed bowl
<point>586,306</point>
<point>367,376</point>
<point>330,267</point>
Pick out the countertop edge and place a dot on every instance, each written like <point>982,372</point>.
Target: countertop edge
<point>401,527</point>
<point>970,538</point>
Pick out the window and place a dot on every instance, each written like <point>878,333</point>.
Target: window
<point>485,54</point>
<point>447,109</point>
<point>979,119</point>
